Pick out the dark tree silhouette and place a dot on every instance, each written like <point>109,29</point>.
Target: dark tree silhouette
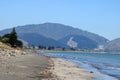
<point>13,38</point>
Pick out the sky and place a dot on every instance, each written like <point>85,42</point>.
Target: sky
<point>97,16</point>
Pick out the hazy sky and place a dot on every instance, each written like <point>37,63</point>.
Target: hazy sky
<point>97,16</point>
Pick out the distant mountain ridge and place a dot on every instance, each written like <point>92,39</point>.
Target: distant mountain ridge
<point>56,32</point>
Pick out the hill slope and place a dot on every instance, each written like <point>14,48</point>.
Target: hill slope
<point>77,41</point>
<point>36,39</point>
<point>113,45</point>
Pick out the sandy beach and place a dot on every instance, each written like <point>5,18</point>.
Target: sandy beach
<point>24,67</point>
<point>33,66</point>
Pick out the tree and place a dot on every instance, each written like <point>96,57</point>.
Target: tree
<point>13,38</point>
<point>41,47</point>
<point>5,38</point>
<point>19,43</point>
<point>51,48</point>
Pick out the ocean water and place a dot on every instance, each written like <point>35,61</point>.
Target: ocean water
<point>106,66</point>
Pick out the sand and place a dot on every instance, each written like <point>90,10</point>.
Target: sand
<point>33,66</point>
<point>24,67</point>
<point>66,70</point>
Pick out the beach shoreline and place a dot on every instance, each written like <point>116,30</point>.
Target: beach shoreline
<point>33,66</point>
<point>65,70</point>
<point>64,62</point>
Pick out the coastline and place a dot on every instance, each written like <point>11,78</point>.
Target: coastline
<point>33,66</point>
<point>98,52</point>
